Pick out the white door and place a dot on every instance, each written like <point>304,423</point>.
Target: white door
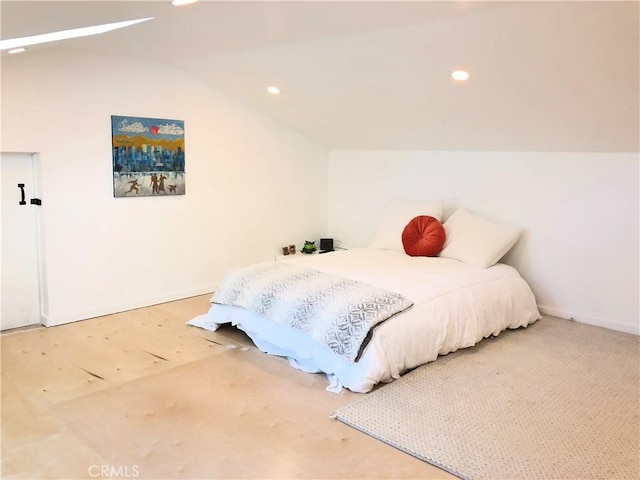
<point>20,284</point>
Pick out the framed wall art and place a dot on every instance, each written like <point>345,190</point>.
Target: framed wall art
<point>148,156</point>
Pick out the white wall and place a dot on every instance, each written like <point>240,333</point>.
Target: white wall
<point>252,185</point>
<point>580,213</point>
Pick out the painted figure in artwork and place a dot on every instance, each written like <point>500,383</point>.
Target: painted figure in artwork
<point>161,179</point>
<point>154,183</point>
<point>134,185</point>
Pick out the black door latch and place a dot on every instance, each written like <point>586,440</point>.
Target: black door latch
<point>34,201</point>
<point>21,187</point>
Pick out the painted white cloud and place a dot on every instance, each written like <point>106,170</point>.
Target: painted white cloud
<point>135,127</point>
<point>172,129</point>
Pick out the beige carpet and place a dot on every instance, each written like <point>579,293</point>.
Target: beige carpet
<point>557,400</point>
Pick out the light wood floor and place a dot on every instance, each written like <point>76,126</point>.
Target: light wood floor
<point>142,395</point>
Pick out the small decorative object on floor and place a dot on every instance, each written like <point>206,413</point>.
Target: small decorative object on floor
<point>309,247</point>
<point>326,245</point>
<point>292,249</point>
<point>285,250</point>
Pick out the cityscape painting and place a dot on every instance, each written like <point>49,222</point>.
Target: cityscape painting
<point>148,156</point>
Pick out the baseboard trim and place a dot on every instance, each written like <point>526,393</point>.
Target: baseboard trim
<point>598,322</point>
<point>54,320</point>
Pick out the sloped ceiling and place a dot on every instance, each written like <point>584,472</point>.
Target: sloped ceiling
<point>545,76</point>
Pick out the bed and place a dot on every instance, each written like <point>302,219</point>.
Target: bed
<point>446,304</point>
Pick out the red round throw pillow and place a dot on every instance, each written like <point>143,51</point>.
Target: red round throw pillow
<point>423,237</point>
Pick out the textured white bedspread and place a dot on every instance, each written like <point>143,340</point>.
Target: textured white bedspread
<point>455,306</point>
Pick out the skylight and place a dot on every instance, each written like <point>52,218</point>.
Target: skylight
<point>66,34</point>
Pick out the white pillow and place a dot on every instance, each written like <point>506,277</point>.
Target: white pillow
<point>475,240</point>
<point>395,216</point>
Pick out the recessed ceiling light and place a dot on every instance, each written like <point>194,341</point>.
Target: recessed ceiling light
<point>179,3</point>
<point>460,75</point>
<point>66,34</point>
<point>273,90</point>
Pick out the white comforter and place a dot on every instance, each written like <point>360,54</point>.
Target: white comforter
<point>455,306</point>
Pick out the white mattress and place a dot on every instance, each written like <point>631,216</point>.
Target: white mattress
<point>455,306</point>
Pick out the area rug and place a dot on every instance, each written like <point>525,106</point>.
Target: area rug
<point>556,400</point>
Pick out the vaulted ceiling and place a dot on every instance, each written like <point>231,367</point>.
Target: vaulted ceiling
<point>545,76</point>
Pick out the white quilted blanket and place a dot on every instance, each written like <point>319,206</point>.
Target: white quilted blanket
<point>335,311</point>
